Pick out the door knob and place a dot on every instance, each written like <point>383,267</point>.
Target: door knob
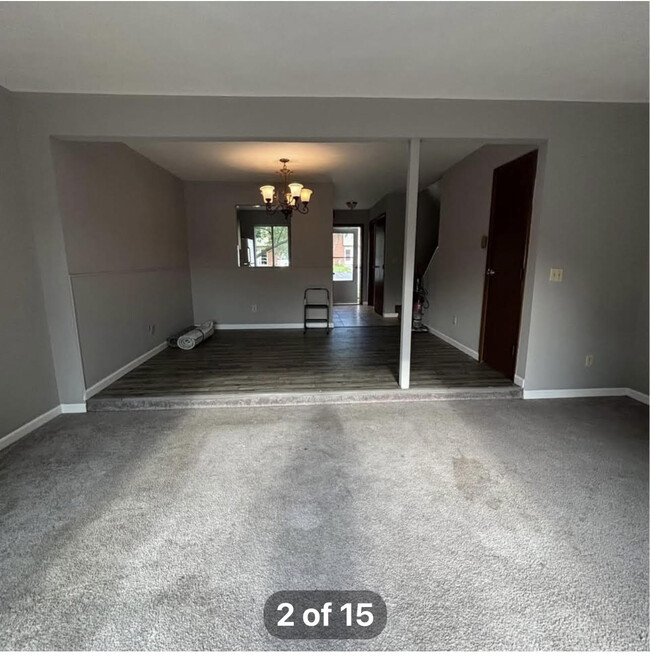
<point>491,271</point>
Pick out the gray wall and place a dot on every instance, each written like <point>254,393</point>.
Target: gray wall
<point>225,292</point>
<point>361,217</point>
<point>428,227</point>
<point>126,247</point>
<point>425,240</point>
<point>593,220</point>
<point>27,382</point>
<point>456,274</point>
<point>638,356</point>
<point>394,206</point>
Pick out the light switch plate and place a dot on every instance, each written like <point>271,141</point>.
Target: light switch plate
<point>556,275</point>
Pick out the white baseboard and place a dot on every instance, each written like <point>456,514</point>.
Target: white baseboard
<point>39,421</point>
<point>519,380</point>
<point>28,427</point>
<point>390,315</point>
<point>639,396</point>
<point>268,326</point>
<point>73,408</point>
<point>454,343</point>
<point>586,392</point>
<point>118,374</point>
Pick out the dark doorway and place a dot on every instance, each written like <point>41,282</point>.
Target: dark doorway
<point>377,264</point>
<point>512,203</point>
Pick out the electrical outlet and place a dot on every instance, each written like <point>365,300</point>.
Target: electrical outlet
<point>151,329</point>
<point>254,307</point>
<point>556,275</point>
<point>589,360</point>
<point>454,320</point>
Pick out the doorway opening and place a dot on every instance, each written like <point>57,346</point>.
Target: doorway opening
<point>346,265</point>
<point>348,280</point>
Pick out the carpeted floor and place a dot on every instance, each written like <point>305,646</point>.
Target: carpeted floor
<point>484,525</point>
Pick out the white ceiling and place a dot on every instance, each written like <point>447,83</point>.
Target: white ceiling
<point>360,171</point>
<point>589,51</point>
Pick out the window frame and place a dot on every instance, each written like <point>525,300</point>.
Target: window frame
<point>272,226</point>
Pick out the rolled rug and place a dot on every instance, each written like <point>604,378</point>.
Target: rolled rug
<point>190,339</point>
<point>172,340</point>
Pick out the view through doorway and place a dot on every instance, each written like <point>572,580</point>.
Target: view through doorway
<point>346,265</point>
<point>347,285</point>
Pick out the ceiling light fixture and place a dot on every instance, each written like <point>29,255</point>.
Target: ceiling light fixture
<point>289,197</point>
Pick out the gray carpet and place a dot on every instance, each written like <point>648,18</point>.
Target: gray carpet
<point>483,525</point>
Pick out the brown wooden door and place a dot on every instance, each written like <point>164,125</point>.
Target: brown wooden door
<point>512,203</point>
<point>377,265</point>
<point>371,263</point>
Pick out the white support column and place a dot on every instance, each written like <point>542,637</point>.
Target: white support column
<point>410,224</point>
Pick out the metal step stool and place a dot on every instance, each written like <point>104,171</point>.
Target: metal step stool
<point>309,305</point>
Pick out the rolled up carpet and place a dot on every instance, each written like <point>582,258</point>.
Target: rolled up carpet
<point>172,340</point>
<point>190,339</point>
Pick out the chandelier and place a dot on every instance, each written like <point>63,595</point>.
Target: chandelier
<point>289,197</point>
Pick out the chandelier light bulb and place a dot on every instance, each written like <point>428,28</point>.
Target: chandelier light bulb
<point>267,193</point>
<point>295,190</point>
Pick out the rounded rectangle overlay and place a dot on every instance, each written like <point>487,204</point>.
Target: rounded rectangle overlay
<point>333,614</point>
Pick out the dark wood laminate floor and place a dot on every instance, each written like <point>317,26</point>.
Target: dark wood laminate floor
<point>240,361</point>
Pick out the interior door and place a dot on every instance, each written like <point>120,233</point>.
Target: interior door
<point>346,258</point>
<point>378,266</point>
<point>371,264</point>
<point>512,203</point>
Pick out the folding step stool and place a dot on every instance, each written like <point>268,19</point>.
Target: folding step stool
<point>308,305</point>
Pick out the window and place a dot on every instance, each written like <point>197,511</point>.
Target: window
<point>343,256</point>
<point>271,245</point>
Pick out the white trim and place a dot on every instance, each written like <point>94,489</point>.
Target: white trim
<point>408,263</point>
<point>454,343</point>
<point>28,427</point>
<point>73,408</point>
<point>639,396</point>
<point>577,392</point>
<point>269,326</point>
<point>118,374</point>
<point>390,315</point>
<point>519,380</point>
